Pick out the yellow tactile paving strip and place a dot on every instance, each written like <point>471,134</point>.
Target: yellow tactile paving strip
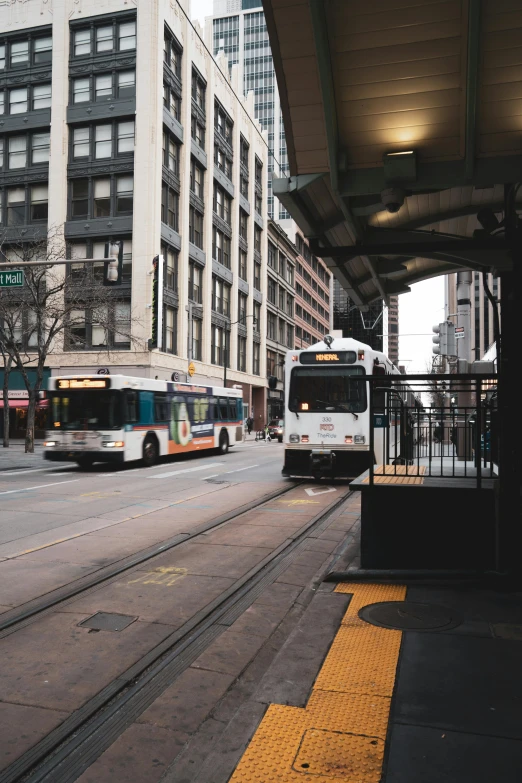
<point>397,474</point>
<point>339,737</point>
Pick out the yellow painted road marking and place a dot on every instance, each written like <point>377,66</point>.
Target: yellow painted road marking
<point>299,502</point>
<point>339,737</point>
<point>164,575</point>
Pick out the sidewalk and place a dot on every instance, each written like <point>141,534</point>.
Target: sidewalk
<point>15,458</point>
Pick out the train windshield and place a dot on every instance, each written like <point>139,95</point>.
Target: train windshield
<point>86,410</point>
<point>314,389</point>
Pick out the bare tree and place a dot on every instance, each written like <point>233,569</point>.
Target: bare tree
<point>8,363</point>
<point>49,314</point>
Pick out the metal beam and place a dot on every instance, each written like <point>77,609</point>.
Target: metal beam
<point>441,175</point>
<point>417,247</point>
<point>472,77</point>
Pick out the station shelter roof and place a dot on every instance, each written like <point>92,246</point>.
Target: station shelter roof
<point>403,122</point>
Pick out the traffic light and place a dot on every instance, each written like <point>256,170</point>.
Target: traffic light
<point>440,339</point>
<point>113,267</point>
<point>451,340</point>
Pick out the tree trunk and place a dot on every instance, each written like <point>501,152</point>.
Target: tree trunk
<point>29,433</point>
<point>7,370</point>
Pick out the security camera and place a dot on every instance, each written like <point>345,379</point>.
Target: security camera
<point>393,199</point>
<point>328,340</point>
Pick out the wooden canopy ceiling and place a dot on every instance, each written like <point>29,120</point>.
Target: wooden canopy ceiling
<point>439,81</point>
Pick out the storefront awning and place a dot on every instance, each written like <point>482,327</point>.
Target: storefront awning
<point>17,403</point>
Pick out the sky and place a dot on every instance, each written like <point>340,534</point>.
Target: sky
<point>418,311</point>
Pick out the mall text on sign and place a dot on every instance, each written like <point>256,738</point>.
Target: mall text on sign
<point>11,279</point>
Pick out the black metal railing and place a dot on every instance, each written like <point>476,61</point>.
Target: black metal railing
<point>433,425</point>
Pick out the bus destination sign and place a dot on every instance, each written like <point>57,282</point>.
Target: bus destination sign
<point>337,357</point>
<point>83,383</point>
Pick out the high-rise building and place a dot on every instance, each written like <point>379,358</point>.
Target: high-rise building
<point>238,29</point>
<point>482,318</point>
<point>152,144</point>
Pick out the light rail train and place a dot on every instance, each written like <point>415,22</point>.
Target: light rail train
<point>327,409</point>
<point>117,418</point>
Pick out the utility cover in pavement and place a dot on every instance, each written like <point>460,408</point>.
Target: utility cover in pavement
<point>410,616</point>
<point>106,621</point>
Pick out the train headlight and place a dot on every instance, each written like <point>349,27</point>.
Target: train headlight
<point>359,439</point>
<point>304,438</point>
<point>113,444</point>
<point>294,438</point>
<point>48,443</point>
<point>348,438</point>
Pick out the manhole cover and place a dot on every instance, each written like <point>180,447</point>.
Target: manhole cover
<point>410,616</point>
<point>106,621</point>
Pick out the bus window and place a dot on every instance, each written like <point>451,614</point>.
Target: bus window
<point>223,408</point>
<point>132,407</point>
<point>214,409</point>
<point>232,404</point>
<point>240,408</point>
<point>160,406</point>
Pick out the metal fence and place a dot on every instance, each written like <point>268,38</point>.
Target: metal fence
<point>434,425</point>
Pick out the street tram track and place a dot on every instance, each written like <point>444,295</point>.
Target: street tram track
<point>67,751</point>
<point>17,618</point>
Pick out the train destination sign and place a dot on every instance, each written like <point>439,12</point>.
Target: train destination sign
<point>329,357</point>
<point>83,383</point>
<point>11,279</point>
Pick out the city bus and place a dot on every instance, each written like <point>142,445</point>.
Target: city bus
<point>117,418</point>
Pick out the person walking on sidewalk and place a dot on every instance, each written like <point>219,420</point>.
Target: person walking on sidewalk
<point>267,434</point>
<point>250,424</point>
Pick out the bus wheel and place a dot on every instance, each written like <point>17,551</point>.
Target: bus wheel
<point>85,462</point>
<point>223,443</point>
<point>150,451</point>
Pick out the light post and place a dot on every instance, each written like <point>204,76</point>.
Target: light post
<point>225,347</point>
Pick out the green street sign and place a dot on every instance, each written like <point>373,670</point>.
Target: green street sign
<point>13,279</point>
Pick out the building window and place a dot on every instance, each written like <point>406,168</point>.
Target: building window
<point>195,291</point>
<point>259,172</point>
<point>222,203</point>
<point>271,326</point>
<point>18,100</point>
<point>39,203</point>
<point>103,87</point>
<point>170,342</point>
<point>82,42</point>
<point>102,141</point>
<point>124,195</point>
<point>81,91</point>
<point>243,151</point>
<point>217,344</point>
<point>125,138</point>
<point>196,179</point>
<point>243,186</point>
<point>257,239</point>
<point>220,247</point>
<point>272,291</point>
<point>242,269</point>
<point>241,308</point>
<point>222,123</point>
<point>196,227</point>
<point>90,249</point>
<point>81,139</point>
<point>2,102</point>
<point>15,206</point>
<point>258,201</point>
<point>41,96</point>
<point>126,84</point>
<point>172,54</point>
<point>170,153</point>
<point>256,352</point>
<point>19,53</point>
<point>197,132</point>
<point>169,207</point>
<point>257,275</point>
<point>40,146</point>
<point>198,90</point>
<point>170,258</point>
<point>197,343</point>
<point>80,198</point>
<point>42,50</point>
<point>241,353</point>
<point>102,197</point>
<point>272,256</point>
<point>257,317</point>
<point>2,57</point>
<point>103,204</point>
<point>243,224</point>
<point>223,162</point>
<point>172,102</point>
<point>220,297</point>
<point>104,39</point>
<point>17,152</point>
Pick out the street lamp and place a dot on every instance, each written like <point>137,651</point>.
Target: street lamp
<point>225,347</point>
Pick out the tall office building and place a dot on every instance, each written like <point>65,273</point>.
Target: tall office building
<point>118,125</point>
<point>238,29</point>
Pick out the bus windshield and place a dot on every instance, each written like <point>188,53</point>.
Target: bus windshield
<point>86,410</point>
<point>327,389</point>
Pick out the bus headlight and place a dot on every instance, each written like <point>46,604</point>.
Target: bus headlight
<point>304,438</point>
<point>113,444</point>
<point>49,443</point>
<point>359,439</point>
<point>294,438</point>
<point>348,438</point>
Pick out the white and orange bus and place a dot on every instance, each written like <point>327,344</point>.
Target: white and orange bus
<point>116,418</point>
